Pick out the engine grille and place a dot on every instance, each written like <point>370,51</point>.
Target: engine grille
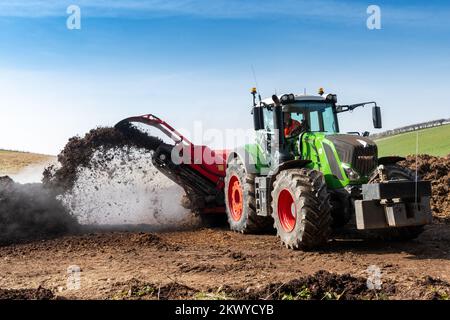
<point>363,157</point>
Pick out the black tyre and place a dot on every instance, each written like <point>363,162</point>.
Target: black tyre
<point>195,203</point>
<point>213,220</point>
<point>301,208</point>
<point>240,200</point>
<point>396,172</point>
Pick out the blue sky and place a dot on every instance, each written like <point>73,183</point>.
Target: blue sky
<point>189,60</point>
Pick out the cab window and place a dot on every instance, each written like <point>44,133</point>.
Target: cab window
<point>297,116</point>
<point>268,120</point>
<point>329,123</point>
<point>314,121</point>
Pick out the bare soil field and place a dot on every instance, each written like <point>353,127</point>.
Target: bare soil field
<point>219,264</point>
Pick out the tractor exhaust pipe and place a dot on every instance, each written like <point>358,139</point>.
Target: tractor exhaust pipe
<point>279,143</point>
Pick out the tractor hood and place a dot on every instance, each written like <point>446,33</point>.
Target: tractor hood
<point>359,152</point>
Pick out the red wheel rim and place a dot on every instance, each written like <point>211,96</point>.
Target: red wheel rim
<point>235,198</point>
<point>287,212</point>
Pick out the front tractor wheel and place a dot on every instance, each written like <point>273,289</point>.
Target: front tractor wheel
<point>301,209</point>
<point>240,200</point>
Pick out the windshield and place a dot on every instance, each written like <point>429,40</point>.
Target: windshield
<point>319,116</point>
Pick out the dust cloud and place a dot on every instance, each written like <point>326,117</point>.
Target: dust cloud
<point>122,187</point>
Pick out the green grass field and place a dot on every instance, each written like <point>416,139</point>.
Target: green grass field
<point>433,141</point>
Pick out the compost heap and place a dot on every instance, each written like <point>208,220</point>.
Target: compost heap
<point>31,211</point>
<point>78,152</point>
<point>436,170</point>
<point>105,177</point>
<point>108,178</point>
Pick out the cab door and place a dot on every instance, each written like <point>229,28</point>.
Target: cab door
<point>266,135</point>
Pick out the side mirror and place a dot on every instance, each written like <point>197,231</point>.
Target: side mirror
<point>276,100</point>
<point>366,134</point>
<point>258,119</point>
<point>376,117</point>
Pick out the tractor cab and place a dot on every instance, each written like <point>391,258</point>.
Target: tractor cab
<point>281,121</point>
<point>316,116</point>
<point>284,118</point>
<point>314,113</point>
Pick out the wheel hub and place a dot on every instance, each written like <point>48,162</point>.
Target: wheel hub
<point>287,211</point>
<point>235,198</point>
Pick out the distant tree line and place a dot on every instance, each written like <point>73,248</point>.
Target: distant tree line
<point>412,127</point>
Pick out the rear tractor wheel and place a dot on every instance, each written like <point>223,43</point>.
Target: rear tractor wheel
<point>240,200</point>
<point>301,208</point>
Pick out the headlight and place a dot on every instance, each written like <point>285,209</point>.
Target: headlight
<point>332,97</point>
<point>287,98</point>
<point>352,174</point>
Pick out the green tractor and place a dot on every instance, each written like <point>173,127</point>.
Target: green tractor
<point>306,179</point>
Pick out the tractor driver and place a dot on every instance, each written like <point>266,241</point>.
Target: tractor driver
<point>292,127</point>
